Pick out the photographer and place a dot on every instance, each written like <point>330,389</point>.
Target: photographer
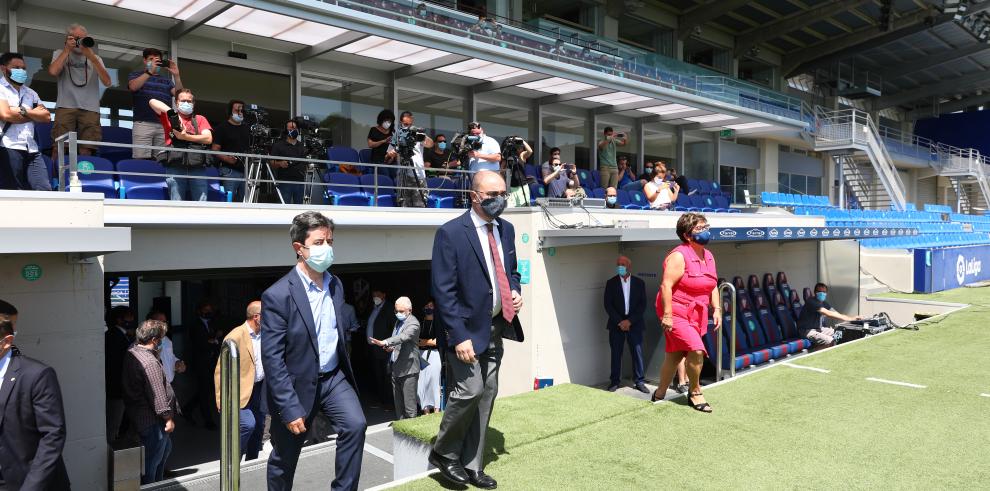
<point>561,179</point>
<point>186,171</point>
<point>407,149</point>
<point>233,136</point>
<point>20,108</point>
<point>146,84</point>
<point>486,157</point>
<point>79,72</point>
<point>380,136</point>
<point>515,152</point>
<point>607,166</point>
<point>292,171</point>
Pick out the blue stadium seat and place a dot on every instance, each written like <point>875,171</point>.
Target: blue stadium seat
<point>683,203</point>
<point>536,190</point>
<point>52,175</point>
<point>442,193</point>
<point>722,205</point>
<point>598,193</point>
<point>795,301</point>
<point>214,191</point>
<point>625,201</point>
<point>698,203</point>
<point>386,190</point>
<point>364,156</point>
<point>693,186</point>
<point>94,183</point>
<point>345,189</point>
<point>769,287</point>
<point>142,187</point>
<point>638,198</point>
<point>782,285</point>
<point>532,171</point>
<point>775,341</point>
<point>115,134</point>
<point>43,135</point>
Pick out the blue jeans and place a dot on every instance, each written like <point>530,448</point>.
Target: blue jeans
<point>27,171</point>
<point>235,187</point>
<point>252,423</point>
<point>181,189</point>
<point>292,193</point>
<point>157,447</point>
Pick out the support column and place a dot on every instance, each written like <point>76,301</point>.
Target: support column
<point>593,140</point>
<point>680,153</point>
<point>769,165</point>
<point>515,10</point>
<point>536,131</point>
<point>392,94</point>
<point>499,7</point>
<point>638,127</point>
<point>471,106</point>
<point>12,30</point>
<point>716,155</point>
<point>295,80</point>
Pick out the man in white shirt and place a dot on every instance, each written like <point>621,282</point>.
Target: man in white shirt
<point>411,182</point>
<point>171,364</point>
<point>20,107</point>
<point>489,156</point>
<point>625,302</point>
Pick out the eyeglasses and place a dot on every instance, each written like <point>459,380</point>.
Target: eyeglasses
<point>701,228</point>
<point>494,194</point>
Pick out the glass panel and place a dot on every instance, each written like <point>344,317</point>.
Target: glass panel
<point>211,86</point>
<point>571,135</point>
<point>500,122</point>
<point>629,149</point>
<point>784,182</point>
<point>799,184</point>
<point>814,186</point>
<point>658,146</point>
<point>742,182</point>
<point>348,109</point>
<point>435,113</point>
<point>727,178</point>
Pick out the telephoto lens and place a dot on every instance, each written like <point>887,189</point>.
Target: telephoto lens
<point>87,42</point>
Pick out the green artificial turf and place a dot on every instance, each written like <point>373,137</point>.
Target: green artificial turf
<point>787,428</point>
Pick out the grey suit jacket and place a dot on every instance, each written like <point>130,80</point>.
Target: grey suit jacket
<point>407,344</point>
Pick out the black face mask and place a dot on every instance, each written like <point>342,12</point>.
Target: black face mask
<point>207,315</point>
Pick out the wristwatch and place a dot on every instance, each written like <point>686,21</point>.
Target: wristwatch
<point>23,112</point>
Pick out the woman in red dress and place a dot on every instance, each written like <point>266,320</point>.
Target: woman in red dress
<point>689,286</point>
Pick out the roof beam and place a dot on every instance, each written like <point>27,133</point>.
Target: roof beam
<point>328,45</point>
<point>629,107</point>
<point>950,107</point>
<point>843,47</point>
<point>705,13</point>
<point>908,67</point>
<point>792,23</point>
<point>553,99</point>
<point>408,71</point>
<point>673,117</point>
<point>509,82</point>
<point>954,84</point>
<point>198,19</point>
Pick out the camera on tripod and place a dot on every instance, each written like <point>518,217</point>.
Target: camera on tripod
<point>406,140</point>
<point>256,117</point>
<point>464,143</point>
<point>316,140</point>
<point>512,146</point>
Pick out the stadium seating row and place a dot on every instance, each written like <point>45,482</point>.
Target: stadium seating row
<point>117,181</point>
<point>928,241</point>
<point>788,200</point>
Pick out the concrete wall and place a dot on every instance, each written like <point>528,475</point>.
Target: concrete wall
<point>892,267</point>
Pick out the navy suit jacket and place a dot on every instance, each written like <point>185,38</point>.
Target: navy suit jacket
<point>288,347</point>
<point>32,427</point>
<point>461,286</point>
<point>615,302</point>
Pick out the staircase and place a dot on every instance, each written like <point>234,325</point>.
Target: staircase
<point>854,142</point>
<point>967,172</point>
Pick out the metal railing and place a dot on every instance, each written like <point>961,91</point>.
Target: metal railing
<point>453,182</point>
<point>732,334</point>
<point>230,405</point>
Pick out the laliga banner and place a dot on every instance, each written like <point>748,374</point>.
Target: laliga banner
<point>945,269</point>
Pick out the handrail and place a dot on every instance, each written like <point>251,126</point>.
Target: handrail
<point>732,335</point>
<point>230,405</point>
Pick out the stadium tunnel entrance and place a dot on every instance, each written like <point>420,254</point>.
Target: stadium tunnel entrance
<point>179,294</point>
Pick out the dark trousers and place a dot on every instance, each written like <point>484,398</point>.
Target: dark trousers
<point>473,388</point>
<point>252,423</point>
<point>383,379</point>
<point>157,447</point>
<point>616,339</point>
<point>204,398</point>
<point>23,170</point>
<point>337,400</point>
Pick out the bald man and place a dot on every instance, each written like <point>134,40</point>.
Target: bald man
<point>252,405</point>
<point>625,302</point>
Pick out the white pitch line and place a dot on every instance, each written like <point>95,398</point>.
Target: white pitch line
<point>894,382</point>
<point>377,452</point>
<point>813,369</point>
<point>984,395</point>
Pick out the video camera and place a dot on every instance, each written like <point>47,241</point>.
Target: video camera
<point>256,118</point>
<point>406,140</point>
<point>463,143</point>
<point>316,140</point>
<point>511,147</point>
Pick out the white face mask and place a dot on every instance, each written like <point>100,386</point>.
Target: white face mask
<point>320,257</point>
<point>387,124</point>
<point>377,301</point>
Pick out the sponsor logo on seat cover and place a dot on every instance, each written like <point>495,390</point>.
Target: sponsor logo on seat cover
<point>727,233</point>
<point>755,232</point>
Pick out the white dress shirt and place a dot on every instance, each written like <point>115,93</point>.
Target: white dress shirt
<point>259,370</point>
<point>417,155</point>
<point>488,146</point>
<point>480,225</point>
<point>625,290</point>
<point>19,136</point>
<point>168,359</point>
<point>4,363</point>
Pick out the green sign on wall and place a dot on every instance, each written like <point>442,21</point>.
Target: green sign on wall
<point>727,133</point>
<point>523,267</point>
<point>31,272</point>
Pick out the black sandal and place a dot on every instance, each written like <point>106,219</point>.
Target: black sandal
<point>703,407</point>
<point>654,398</point>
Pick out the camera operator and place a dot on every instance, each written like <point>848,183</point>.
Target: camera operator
<point>410,141</point>
<point>438,160</point>
<point>488,156</point>
<point>292,172</point>
<point>515,152</point>
<point>79,72</point>
<point>607,166</point>
<point>562,179</point>
<point>146,84</point>
<point>194,132</point>
<point>380,136</point>
<point>20,109</point>
<point>233,136</point>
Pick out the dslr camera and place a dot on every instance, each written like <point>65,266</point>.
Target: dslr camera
<point>86,42</point>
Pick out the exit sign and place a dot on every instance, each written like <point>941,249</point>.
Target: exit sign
<point>727,133</point>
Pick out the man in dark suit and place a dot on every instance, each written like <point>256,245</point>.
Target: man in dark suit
<point>204,342</point>
<point>476,291</point>
<point>380,327</point>
<point>625,302</point>
<point>32,421</point>
<point>120,326</point>
<point>307,369</point>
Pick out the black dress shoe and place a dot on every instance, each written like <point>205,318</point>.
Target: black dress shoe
<point>481,480</point>
<point>642,388</point>
<point>449,468</point>
<point>613,388</point>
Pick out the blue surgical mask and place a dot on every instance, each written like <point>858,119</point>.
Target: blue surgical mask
<point>186,107</point>
<point>442,146</point>
<point>18,75</point>
<point>400,315</point>
<point>293,134</point>
<point>427,311</point>
<point>704,237</point>
<point>821,296</point>
<point>237,118</point>
<point>621,270</point>
<point>612,199</point>
<point>320,257</point>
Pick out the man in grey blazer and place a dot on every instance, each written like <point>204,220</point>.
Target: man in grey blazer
<point>403,347</point>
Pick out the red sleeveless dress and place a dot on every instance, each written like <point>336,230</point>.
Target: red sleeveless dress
<point>690,296</point>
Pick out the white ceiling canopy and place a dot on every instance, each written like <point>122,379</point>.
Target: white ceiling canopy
<point>177,9</point>
<point>380,48</point>
<point>278,26</point>
<point>617,98</point>
<point>483,70</point>
<point>667,109</point>
<point>556,85</point>
<point>748,126</point>
<point>710,118</point>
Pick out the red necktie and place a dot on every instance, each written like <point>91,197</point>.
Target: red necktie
<point>508,311</point>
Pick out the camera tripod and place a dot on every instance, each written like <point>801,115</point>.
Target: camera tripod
<point>310,183</point>
<point>407,166</point>
<point>255,168</point>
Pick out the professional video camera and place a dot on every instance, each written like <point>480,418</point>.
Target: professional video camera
<point>511,147</point>
<point>407,138</point>
<point>261,133</point>
<point>316,140</point>
<point>462,143</point>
